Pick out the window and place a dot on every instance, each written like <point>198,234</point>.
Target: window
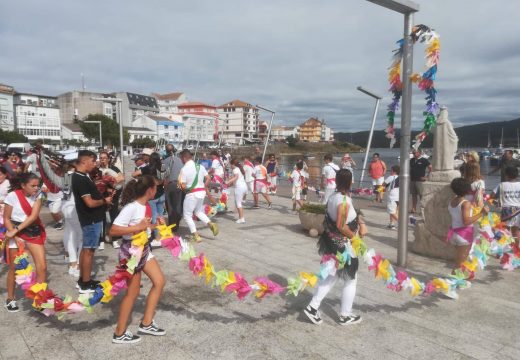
<point>237,134</point>
<point>227,127</point>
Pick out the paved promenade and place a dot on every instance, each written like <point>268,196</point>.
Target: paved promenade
<point>201,323</point>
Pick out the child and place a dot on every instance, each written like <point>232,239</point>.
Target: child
<point>392,200</point>
<point>508,192</point>
<point>298,181</point>
<point>134,218</point>
<point>341,224</point>
<point>272,173</point>
<point>260,184</point>
<point>240,188</point>
<point>462,219</point>
<point>21,219</point>
<point>472,174</point>
<point>328,177</point>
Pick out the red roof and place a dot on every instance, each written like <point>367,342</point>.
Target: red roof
<point>236,103</point>
<point>195,104</point>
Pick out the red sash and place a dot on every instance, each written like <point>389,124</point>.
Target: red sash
<point>27,209</point>
<point>148,211</point>
<point>196,190</point>
<point>248,163</point>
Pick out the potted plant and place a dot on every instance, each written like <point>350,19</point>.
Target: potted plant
<point>312,216</point>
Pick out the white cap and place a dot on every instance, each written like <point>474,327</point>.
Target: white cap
<point>71,156</point>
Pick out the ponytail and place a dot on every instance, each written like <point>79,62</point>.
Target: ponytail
<point>137,188</point>
<point>21,179</point>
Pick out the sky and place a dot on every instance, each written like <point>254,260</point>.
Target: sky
<point>299,58</point>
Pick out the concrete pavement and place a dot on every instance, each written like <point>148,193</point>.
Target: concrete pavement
<point>204,324</point>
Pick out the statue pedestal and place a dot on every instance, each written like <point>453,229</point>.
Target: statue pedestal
<point>430,235</point>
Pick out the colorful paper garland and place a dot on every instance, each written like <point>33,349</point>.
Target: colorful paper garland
<point>494,240</point>
<point>425,82</point>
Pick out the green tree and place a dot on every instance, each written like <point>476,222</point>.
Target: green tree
<point>109,130</point>
<point>9,137</point>
<point>143,143</point>
<point>291,141</point>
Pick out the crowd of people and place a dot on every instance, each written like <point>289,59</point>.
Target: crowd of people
<point>88,197</point>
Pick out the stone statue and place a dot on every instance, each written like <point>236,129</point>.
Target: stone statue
<point>445,142</point>
<point>436,194</point>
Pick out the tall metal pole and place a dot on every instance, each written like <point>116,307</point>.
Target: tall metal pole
<point>405,141</point>
<point>268,131</point>
<point>118,116</point>
<point>370,135</point>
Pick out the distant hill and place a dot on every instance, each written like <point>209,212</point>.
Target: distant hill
<point>469,135</point>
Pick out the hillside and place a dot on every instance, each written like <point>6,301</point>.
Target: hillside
<point>469,135</point>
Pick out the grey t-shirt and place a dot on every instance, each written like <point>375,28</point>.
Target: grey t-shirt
<point>172,166</point>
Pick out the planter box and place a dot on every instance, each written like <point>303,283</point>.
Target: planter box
<point>312,221</point>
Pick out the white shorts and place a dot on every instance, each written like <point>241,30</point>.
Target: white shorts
<point>261,188</point>
<point>296,193</point>
<point>391,206</point>
<point>55,206</point>
<point>250,186</point>
<point>380,181</point>
<point>458,240</point>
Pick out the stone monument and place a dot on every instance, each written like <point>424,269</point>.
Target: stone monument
<point>430,234</point>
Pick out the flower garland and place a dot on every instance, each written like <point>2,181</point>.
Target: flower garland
<point>425,82</point>
<point>494,240</point>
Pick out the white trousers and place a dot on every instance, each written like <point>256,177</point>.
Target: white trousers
<point>347,294</point>
<point>328,193</point>
<point>72,234</point>
<point>240,192</point>
<point>194,206</point>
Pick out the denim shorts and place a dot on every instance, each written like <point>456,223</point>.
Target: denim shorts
<point>91,234</point>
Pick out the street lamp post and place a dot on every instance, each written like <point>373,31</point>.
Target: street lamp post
<point>407,8</point>
<point>118,119</point>
<point>369,143</point>
<point>100,133</point>
<point>268,131</point>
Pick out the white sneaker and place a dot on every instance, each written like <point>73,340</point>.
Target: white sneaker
<point>115,244</point>
<point>156,243</point>
<point>74,271</point>
<point>101,246</point>
<point>241,221</point>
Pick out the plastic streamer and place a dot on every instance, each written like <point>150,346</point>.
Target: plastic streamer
<point>493,240</point>
<point>424,81</point>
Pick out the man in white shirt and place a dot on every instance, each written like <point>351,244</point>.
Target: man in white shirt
<point>194,180</point>
<point>328,177</point>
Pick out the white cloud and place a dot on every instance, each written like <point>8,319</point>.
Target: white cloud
<point>302,58</point>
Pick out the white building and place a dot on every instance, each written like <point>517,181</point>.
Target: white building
<point>167,130</point>
<point>238,122</point>
<point>198,128</point>
<point>205,112</point>
<point>6,108</point>
<point>37,117</point>
<point>134,105</point>
<point>72,132</point>
<point>168,103</point>
<point>140,133</point>
<point>77,105</point>
<point>280,133</point>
